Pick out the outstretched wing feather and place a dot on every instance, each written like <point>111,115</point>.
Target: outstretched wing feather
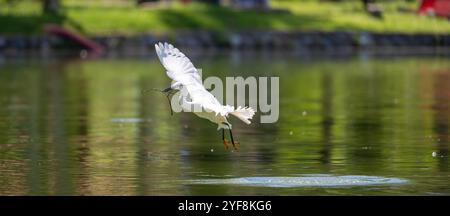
<point>176,63</point>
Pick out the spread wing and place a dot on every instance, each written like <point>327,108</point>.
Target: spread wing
<point>179,67</point>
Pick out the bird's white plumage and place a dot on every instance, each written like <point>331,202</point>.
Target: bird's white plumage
<point>184,75</point>
<point>178,66</point>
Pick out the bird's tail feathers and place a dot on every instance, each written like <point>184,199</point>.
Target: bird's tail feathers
<point>244,114</point>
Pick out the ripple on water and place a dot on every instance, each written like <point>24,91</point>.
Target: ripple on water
<point>304,181</point>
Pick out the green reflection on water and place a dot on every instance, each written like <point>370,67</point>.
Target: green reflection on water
<point>61,133</point>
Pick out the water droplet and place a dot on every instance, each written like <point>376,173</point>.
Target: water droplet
<point>291,133</point>
<point>304,113</point>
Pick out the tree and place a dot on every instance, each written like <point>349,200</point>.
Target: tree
<point>366,3</point>
<point>50,6</point>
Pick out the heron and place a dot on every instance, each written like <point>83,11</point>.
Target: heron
<point>186,78</point>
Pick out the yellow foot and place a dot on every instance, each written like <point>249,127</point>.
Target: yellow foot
<point>236,145</point>
<point>225,143</point>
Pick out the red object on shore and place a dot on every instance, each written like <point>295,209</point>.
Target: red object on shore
<point>436,7</point>
<point>83,41</point>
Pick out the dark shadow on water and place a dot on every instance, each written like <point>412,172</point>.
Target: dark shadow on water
<point>327,117</point>
<point>441,122</point>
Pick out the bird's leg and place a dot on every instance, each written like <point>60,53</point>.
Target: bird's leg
<point>225,141</point>
<point>233,142</point>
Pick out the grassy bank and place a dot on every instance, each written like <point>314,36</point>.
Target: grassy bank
<point>98,17</point>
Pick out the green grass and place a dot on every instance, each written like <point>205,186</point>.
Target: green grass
<point>97,18</point>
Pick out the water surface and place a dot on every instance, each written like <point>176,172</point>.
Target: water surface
<point>72,127</point>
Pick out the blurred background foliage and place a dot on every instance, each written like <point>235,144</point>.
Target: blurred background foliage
<point>99,17</point>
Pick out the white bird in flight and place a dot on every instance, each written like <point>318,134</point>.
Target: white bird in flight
<point>185,77</point>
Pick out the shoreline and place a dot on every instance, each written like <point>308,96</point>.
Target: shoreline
<point>297,42</point>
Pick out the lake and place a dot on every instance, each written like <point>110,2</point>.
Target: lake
<point>354,125</point>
